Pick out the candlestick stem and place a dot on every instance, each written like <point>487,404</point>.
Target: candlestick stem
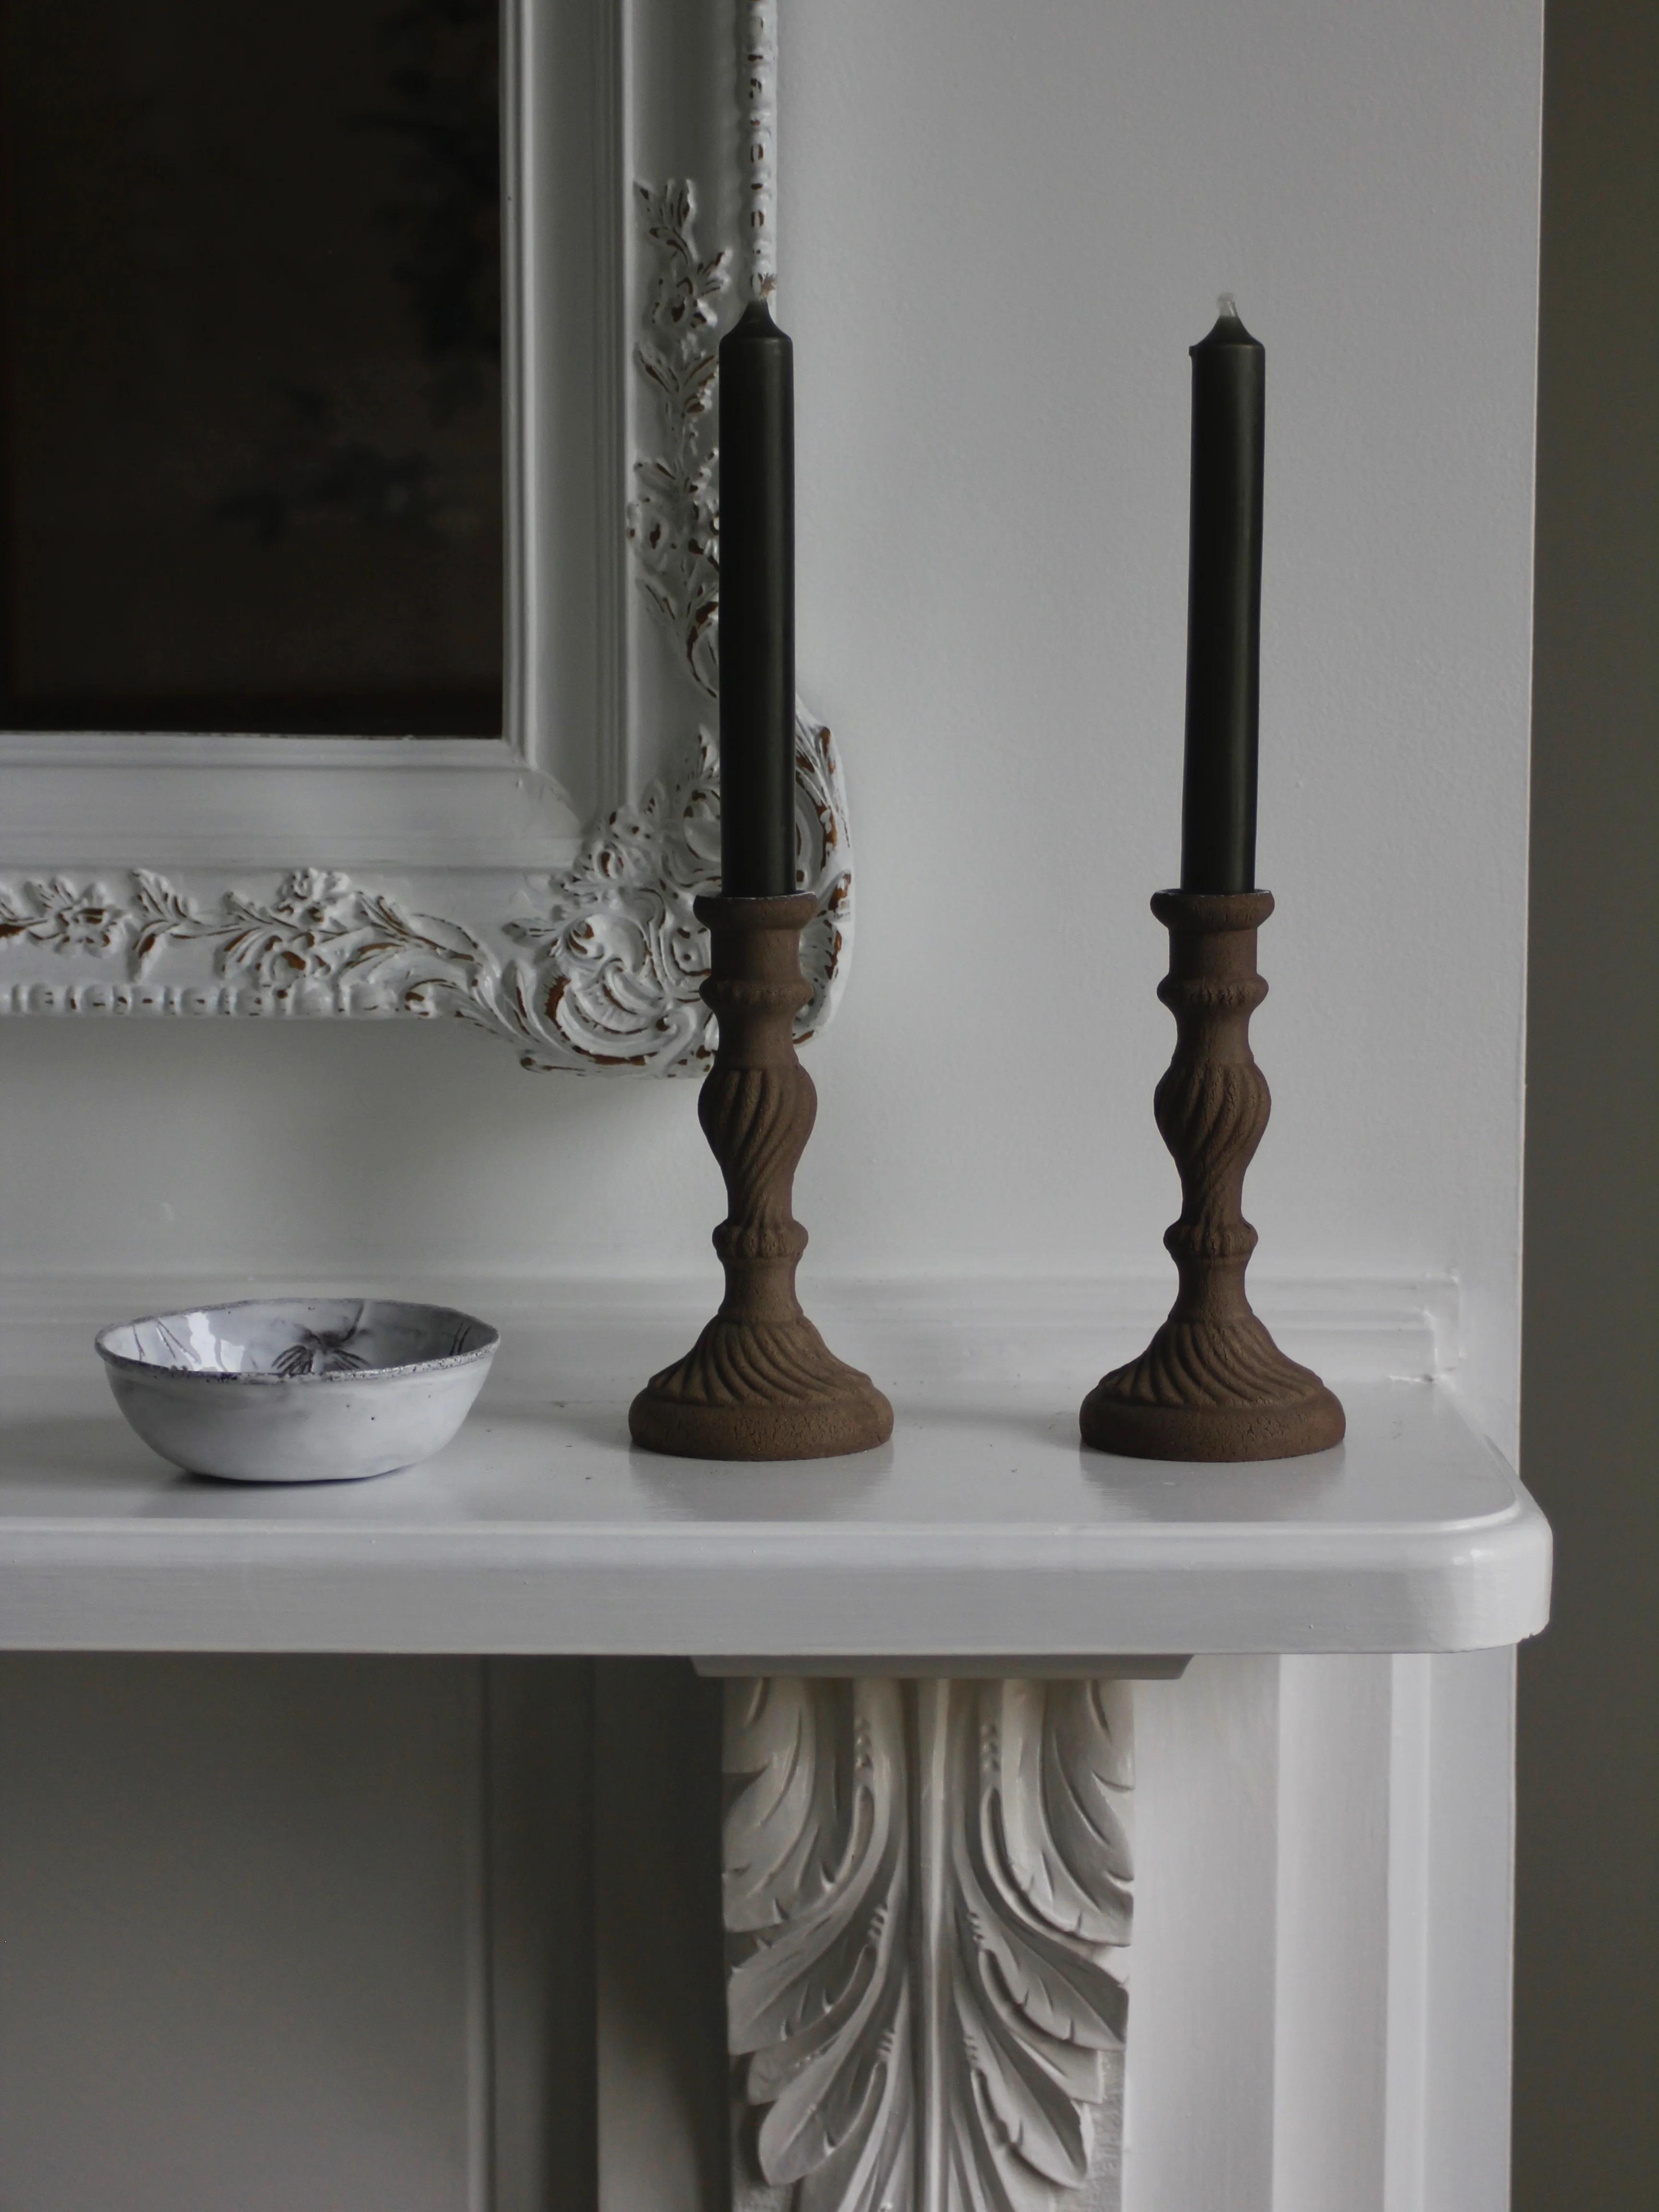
<point>1211,1384</point>
<point>760,1382</point>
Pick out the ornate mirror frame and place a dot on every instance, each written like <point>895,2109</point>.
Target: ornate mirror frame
<point>537,885</point>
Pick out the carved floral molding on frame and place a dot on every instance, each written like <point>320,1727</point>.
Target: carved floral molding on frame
<point>606,978</point>
<point>596,967</point>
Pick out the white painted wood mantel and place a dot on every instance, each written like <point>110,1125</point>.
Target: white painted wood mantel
<point>934,1657</point>
<point>984,1531</point>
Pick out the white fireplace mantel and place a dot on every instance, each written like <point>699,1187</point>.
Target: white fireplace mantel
<point>932,1653</point>
<point>983,1530</point>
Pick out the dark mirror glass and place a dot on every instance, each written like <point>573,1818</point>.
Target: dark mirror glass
<point>250,365</point>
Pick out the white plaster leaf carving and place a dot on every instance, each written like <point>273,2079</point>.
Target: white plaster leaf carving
<point>941,1868</point>
<point>926,1890</point>
<point>816,1906</point>
<point>1037,2003</point>
<point>673,522</point>
<point>1065,1823</point>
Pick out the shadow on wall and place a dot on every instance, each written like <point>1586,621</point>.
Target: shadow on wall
<point>1587,2027</point>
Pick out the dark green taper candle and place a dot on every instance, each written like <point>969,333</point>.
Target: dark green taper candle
<point>1223,610</point>
<point>758,608</point>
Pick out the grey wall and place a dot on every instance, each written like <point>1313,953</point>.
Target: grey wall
<point>242,1931</point>
<point>1586,2040</point>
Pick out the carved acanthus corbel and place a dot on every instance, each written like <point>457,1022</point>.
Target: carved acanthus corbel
<point>927,1895</point>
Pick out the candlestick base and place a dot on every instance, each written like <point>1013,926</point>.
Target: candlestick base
<point>760,1382</point>
<point>1211,1384</point>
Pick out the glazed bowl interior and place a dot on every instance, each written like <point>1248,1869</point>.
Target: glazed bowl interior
<point>285,1339</point>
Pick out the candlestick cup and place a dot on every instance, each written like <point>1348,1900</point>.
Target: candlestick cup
<point>1211,1384</point>
<point>760,1382</point>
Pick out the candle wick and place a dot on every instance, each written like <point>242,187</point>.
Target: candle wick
<point>1227,305</point>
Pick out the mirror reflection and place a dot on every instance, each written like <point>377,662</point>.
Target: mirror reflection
<point>250,366</point>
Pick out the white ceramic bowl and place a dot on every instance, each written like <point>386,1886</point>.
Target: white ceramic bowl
<point>298,1389</point>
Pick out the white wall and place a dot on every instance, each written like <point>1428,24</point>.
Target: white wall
<point>1003,227</point>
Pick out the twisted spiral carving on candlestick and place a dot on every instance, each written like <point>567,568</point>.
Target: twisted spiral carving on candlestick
<point>760,1382</point>
<point>739,1366</point>
<point>1211,1384</point>
<point>1210,1363</point>
<point>758,1121</point>
<point>1211,1116</point>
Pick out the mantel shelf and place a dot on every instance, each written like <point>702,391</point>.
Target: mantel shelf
<point>983,1530</point>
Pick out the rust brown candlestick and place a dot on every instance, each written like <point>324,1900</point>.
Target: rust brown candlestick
<point>760,1382</point>
<point>1211,1384</point>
